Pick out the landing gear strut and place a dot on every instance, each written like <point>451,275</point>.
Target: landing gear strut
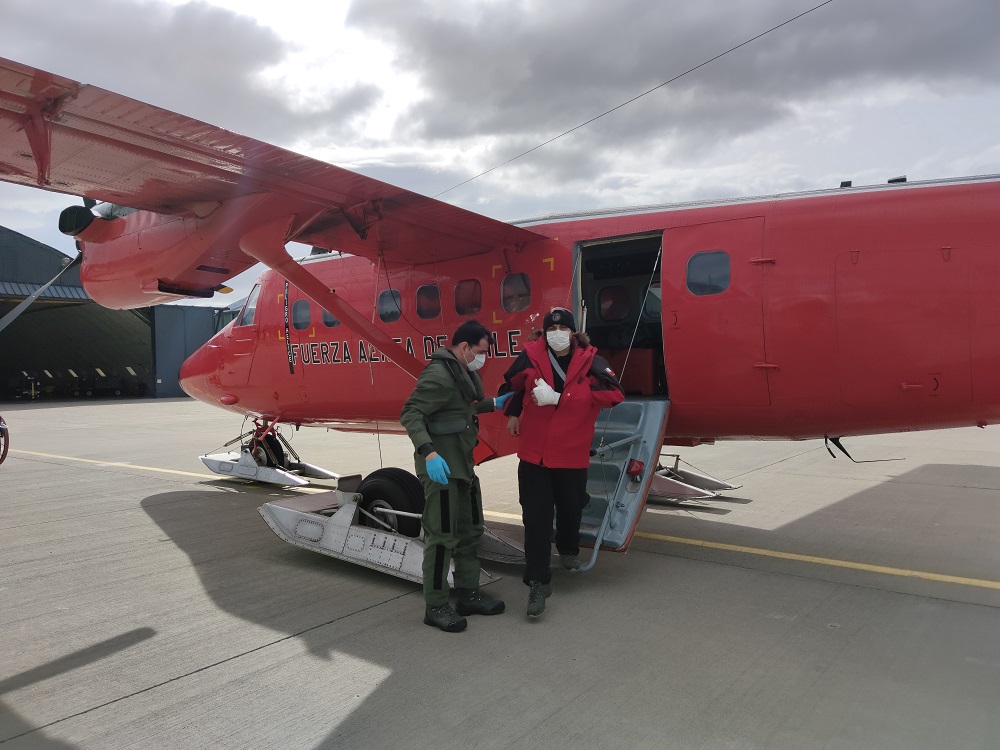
<point>265,456</point>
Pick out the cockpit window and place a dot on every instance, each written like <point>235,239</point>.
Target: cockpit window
<point>708,272</point>
<point>250,308</point>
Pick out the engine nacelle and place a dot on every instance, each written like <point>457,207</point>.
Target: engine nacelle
<point>142,258</point>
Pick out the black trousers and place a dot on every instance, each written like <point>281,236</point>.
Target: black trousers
<point>545,494</point>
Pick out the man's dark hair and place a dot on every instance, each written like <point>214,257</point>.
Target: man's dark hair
<point>470,332</point>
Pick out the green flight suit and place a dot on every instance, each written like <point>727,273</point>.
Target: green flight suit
<point>442,411</point>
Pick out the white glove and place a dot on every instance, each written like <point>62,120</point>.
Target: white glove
<point>543,393</point>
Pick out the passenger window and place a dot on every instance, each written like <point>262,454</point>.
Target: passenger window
<point>652,305</point>
<point>428,301</point>
<point>708,272</point>
<point>329,321</point>
<point>612,303</point>
<point>300,314</point>
<point>515,292</point>
<point>389,308</point>
<point>468,297</point>
<point>250,308</point>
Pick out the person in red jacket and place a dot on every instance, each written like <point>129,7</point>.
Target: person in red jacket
<point>559,385</point>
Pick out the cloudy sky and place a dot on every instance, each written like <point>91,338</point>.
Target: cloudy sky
<point>425,94</point>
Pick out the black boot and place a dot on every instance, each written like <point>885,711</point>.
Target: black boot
<point>475,602</point>
<point>446,618</point>
<point>536,598</point>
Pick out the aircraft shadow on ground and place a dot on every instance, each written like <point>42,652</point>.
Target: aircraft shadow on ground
<point>241,563</point>
<point>248,572</point>
<point>13,727</point>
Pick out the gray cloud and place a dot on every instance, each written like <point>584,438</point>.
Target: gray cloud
<point>525,71</point>
<point>502,77</point>
<point>195,59</point>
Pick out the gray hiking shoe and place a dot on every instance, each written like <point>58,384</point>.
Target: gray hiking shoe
<point>570,562</point>
<point>446,618</point>
<point>476,602</point>
<point>536,598</point>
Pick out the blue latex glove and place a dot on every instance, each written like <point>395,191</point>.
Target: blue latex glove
<point>437,469</point>
<point>499,401</point>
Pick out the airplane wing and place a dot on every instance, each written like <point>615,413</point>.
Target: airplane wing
<point>73,138</point>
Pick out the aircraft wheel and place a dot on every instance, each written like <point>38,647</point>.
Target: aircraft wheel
<point>264,456</point>
<point>4,440</point>
<point>395,489</point>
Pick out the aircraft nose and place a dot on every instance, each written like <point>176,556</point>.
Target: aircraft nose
<point>199,376</point>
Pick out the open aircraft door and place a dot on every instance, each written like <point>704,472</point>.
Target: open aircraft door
<point>713,291</point>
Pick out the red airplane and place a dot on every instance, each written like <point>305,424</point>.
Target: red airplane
<point>848,311</point>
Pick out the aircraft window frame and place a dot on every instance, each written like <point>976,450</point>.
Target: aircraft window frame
<point>390,312</point>
<point>328,320</point>
<point>300,322</point>
<point>472,300</point>
<point>699,276</point>
<point>428,305</point>
<point>515,300</point>
<point>620,303</point>
<point>249,311</point>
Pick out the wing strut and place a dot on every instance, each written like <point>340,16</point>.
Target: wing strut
<point>9,318</point>
<point>266,243</point>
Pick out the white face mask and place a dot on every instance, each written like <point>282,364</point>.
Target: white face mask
<point>478,361</point>
<point>558,340</point>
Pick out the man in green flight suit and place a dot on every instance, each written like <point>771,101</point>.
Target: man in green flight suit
<point>440,418</point>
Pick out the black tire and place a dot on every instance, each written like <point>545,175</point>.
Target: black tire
<point>396,489</point>
<point>274,448</point>
<point>4,440</point>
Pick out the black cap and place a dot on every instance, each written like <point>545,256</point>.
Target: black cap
<point>559,316</point>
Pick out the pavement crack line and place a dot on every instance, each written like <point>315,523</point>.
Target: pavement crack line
<point>205,668</point>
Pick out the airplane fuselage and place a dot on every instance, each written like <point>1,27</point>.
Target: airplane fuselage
<point>850,312</point>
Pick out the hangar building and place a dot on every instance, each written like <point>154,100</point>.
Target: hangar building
<point>65,345</point>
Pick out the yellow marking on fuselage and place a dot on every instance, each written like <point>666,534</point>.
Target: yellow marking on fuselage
<point>496,320</point>
<point>493,270</point>
<point>551,262</point>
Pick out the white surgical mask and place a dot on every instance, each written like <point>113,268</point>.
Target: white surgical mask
<point>478,361</point>
<point>558,340</point>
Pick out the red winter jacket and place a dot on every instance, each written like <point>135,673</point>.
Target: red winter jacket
<point>559,436</point>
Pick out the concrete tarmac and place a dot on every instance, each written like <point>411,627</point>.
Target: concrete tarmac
<point>826,604</point>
